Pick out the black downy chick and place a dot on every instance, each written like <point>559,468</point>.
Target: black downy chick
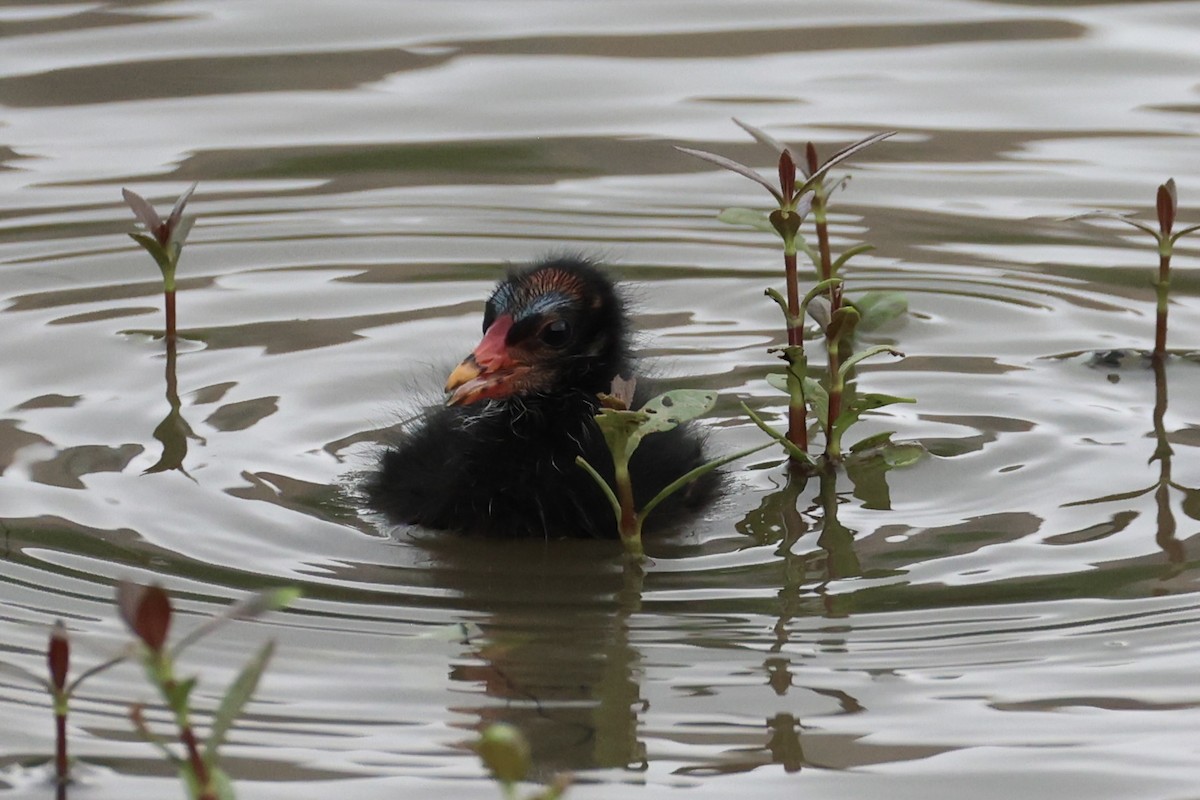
<point>499,458</point>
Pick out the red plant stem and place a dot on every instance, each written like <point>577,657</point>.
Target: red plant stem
<point>795,332</point>
<point>835,302</point>
<point>170,307</point>
<point>797,432</point>
<point>60,749</point>
<point>1160,329</point>
<point>188,737</point>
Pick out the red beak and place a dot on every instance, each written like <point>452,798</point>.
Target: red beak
<point>490,372</point>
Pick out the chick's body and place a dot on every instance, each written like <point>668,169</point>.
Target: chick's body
<point>499,458</point>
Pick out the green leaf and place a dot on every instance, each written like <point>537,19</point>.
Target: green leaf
<point>861,405</point>
<point>818,400</point>
<point>156,250</point>
<point>670,409</point>
<point>221,784</point>
<point>618,427</point>
<point>235,700</point>
<point>747,217</point>
<point>878,440</point>
<point>774,294</point>
<point>505,752</point>
<point>178,693</point>
<point>250,607</point>
<point>902,454</point>
<point>849,254</point>
<point>788,445</point>
<point>853,360</point>
<point>699,472</point>
<point>603,484</point>
<point>842,324</point>
<point>879,308</point>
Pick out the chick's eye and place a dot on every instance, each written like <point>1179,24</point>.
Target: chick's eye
<point>555,333</point>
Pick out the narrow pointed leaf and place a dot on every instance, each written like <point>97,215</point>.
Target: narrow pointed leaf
<point>748,217</point>
<point>1141,226</point>
<point>156,250</point>
<point>761,136</point>
<point>235,699</point>
<point>734,166</point>
<point>144,212</point>
<point>788,445</point>
<point>849,254</point>
<point>250,607</point>
<point>774,294</point>
<point>1185,232</point>
<point>179,235</point>
<point>603,484</point>
<point>853,360</point>
<point>17,671</point>
<point>843,154</point>
<point>101,667</point>
<point>817,291</point>
<point>177,212</point>
<point>697,473</point>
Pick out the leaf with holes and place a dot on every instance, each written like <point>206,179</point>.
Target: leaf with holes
<point>670,409</point>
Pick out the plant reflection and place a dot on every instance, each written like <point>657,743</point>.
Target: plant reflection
<point>1166,526</point>
<point>174,431</point>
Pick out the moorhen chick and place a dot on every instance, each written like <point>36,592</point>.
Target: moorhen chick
<point>499,457</point>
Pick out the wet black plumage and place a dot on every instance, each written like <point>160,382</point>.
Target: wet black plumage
<point>499,458</point>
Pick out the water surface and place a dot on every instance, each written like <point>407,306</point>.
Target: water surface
<point>1013,616</point>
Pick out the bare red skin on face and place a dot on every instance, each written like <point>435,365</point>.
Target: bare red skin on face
<point>490,372</point>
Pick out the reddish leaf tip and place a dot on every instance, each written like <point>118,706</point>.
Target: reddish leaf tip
<point>147,612</point>
<point>58,655</point>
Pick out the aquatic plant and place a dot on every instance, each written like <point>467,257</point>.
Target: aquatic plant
<point>505,752</point>
<point>163,240</point>
<point>147,612</point>
<point>61,689</point>
<point>624,428</point>
<point>1167,208</point>
<point>837,317</point>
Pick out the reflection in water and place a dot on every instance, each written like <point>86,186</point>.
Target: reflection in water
<point>555,658</point>
<point>1166,527</point>
<point>174,431</point>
